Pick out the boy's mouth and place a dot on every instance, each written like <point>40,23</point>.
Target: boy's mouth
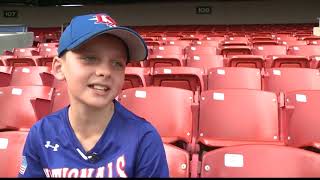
<point>98,87</point>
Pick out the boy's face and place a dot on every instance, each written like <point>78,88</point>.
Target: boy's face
<point>94,72</point>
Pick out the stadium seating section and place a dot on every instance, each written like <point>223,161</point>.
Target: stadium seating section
<point>227,100</point>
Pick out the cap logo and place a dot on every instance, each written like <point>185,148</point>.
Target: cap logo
<point>104,19</point>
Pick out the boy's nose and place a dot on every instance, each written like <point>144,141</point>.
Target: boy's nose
<point>103,70</point>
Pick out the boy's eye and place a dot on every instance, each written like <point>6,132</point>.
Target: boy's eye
<point>118,64</point>
<point>89,59</point>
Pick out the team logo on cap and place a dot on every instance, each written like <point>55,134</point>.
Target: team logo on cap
<point>104,19</point>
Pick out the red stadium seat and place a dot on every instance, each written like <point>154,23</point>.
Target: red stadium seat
<point>252,61</point>
<point>11,146</point>
<point>167,55</point>
<point>260,161</point>
<point>285,37</point>
<point>310,38</point>
<point>207,43</point>
<point>48,51</point>
<point>234,50</point>
<point>3,59</point>
<point>191,39</point>
<point>148,38</point>
<point>314,62</point>
<point>169,49</point>
<point>32,75</point>
<point>167,108</point>
<point>290,79</point>
<point>260,37</point>
<point>7,53</point>
<point>211,37</point>
<point>22,106</point>
<point>5,75</point>
<point>287,61</point>
<point>136,64</point>
<point>314,42</point>
<point>238,39</point>
<point>165,60</point>
<point>238,116</point>
<point>303,119</point>
<point>234,43</point>
<point>153,43</point>
<point>178,161</point>
<point>264,42</point>
<point>266,50</point>
<point>49,45</point>
<point>205,61</point>
<point>61,96</point>
<point>304,50</point>
<point>181,43</point>
<point>190,78</point>
<point>293,43</point>
<point>200,50</point>
<point>169,38</point>
<point>136,77</point>
<point>24,52</point>
<point>44,61</point>
<point>21,61</point>
<point>234,78</point>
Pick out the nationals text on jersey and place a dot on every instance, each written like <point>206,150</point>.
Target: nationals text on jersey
<point>103,171</point>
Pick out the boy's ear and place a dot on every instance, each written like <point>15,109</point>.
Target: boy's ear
<point>57,68</point>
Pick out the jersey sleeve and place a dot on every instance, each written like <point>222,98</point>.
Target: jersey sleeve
<point>151,157</point>
<point>30,164</point>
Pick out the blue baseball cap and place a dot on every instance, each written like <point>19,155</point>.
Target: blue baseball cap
<point>85,27</point>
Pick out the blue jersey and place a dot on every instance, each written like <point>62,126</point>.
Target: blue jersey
<point>129,147</point>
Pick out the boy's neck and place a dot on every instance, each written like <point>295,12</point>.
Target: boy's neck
<point>89,121</point>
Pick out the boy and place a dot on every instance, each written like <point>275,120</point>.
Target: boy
<point>94,136</point>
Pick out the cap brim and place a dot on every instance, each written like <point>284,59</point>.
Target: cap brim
<point>137,48</point>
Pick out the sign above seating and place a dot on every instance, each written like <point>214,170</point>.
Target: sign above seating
<point>10,13</point>
<point>203,10</point>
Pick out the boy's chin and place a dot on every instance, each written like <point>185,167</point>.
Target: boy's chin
<point>99,104</point>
